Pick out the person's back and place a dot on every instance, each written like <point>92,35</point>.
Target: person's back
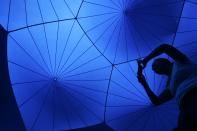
<point>183,78</point>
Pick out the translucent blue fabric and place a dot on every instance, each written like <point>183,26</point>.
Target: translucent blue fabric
<point>72,63</point>
<point>16,14</point>
<point>59,79</point>
<point>124,30</point>
<point>186,39</point>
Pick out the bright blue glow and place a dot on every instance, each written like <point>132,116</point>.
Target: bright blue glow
<point>61,66</point>
<point>22,13</point>
<point>59,78</point>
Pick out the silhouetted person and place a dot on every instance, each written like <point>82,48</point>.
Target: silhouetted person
<point>181,84</point>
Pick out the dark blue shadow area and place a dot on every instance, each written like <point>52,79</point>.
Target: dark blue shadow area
<point>10,118</point>
<point>99,127</point>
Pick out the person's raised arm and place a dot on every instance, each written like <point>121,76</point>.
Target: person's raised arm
<point>156,100</point>
<point>169,50</point>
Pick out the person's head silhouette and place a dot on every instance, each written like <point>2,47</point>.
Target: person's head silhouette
<point>162,66</point>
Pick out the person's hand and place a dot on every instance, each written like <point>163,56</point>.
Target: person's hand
<point>142,63</point>
<point>140,66</point>
<point>140,75</point>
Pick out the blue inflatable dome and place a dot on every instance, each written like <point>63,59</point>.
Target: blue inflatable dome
<point>72,63</point>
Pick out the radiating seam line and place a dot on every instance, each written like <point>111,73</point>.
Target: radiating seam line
<point>57,34</point>
<point>183,5</point>
<point>85,106</point>
<point>55,21</point>
<point>111,36</point>
<point>145,41</point>
<point>41,108</point>
<point>90,71</point>
<point>27,54</point>
<point>37,48</point>
<point>161,122</point>
<point>145,44</point>
<point>192,2</point>
<point>144,110</point>
<point>134,39</point>
<point>75,60</point>
<point>56,48</point>
<point>117,43</point>
<point>99,5</point>
<point>79,8</point>
<point>96,26</point>
<point>72,106</point>
<point>115,4</point>
<point>73,50</point>
<point>49,55</point>
<point>85,80</point>
<point>28,82</point>
<point>90,16</point>
<point>128,61</point>
<point>103,33</point>
<point>151,22</point>
<point>145,27</point>
<point>54,10</point>
<point>27,69</point>
<point>132,93</point>
<point>121,4</point>
<point>69,8</point>
<point>64,72</point>
<point>107,94</point>
<point>46,40</point>
<point>137,118</point>
<point>33,95</point>
<point>64,108</point>
<point>65,46</point>
<point>54,107</point>
<point>157,5</point>
<point>81,94</point>
<point>65,69</point>
<point>130,82</point>
<point>186,31</point>
<point>125,39</point>
<point>85,87</point>
<point>31,35</point>
<point>8,18</point>
<point>93,43</point>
